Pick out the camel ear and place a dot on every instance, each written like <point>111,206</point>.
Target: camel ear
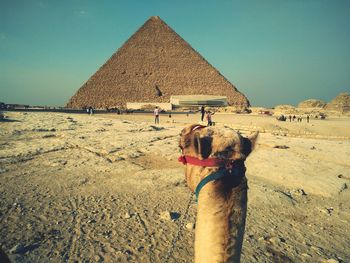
<point>249,143</point>
<point>185,136</point>
<point>202,145</point>
<point>253,138</point>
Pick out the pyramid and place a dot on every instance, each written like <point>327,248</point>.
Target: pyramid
<point>340,103</point>
<point>152,65</point>
<point>312,103</point>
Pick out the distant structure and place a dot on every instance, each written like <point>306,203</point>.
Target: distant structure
<point>340,103</point>
<point>4,106</point>
<point>198,100</point>
<point>154,64</point>
<point>312,103</point>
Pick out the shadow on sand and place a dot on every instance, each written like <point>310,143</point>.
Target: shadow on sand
<point>9,120</point>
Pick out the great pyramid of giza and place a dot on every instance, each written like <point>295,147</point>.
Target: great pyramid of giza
<point>152,65</point>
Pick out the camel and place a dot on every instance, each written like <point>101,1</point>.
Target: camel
<point>214,159</point>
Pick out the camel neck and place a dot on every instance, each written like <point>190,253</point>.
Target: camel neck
<point>221,221</point>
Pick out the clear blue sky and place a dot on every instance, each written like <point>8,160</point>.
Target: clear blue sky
<point>274,51</point>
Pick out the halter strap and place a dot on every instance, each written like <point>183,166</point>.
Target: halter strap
<point>227,167</point>
<point>211,177</point>
<point>198,127</point>
<point>209,162</point>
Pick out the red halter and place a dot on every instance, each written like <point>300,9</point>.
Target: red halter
<point>210,162</point>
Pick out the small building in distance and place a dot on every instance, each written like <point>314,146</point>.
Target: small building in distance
<point>198,100</point>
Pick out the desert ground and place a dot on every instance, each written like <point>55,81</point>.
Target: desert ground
<point>109,188</point>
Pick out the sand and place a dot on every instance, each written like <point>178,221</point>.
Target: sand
<point>108,188</point>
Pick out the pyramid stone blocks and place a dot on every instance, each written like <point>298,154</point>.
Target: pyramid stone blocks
<point>152,65</point>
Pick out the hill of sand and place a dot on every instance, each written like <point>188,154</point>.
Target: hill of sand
<point>108,188</point>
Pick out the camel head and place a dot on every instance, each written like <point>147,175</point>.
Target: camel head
<point>221,143</point>
<point>214,159</point>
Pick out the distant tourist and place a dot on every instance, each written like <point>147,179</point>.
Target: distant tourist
<point>202,112</point>
<point>88,110</point>
<point>156,115</point>
<point>290,118</point>
<point>294,117</point>
<point>307,118</point>
<point>91,110</point>
<point>170,118</point>
<point>209,118</point>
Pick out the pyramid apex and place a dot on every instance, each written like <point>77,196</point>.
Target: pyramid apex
<point>155,18</point>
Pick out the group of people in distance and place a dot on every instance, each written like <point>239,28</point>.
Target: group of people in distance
<point>89,110</point>
<point>299,118</point>
<point>208,115</point>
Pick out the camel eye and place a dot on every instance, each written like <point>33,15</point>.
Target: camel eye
<point>229,148</point>
<point>226,153</point>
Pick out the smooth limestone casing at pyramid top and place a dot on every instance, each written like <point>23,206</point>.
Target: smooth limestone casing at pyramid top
<point>152,65</point>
